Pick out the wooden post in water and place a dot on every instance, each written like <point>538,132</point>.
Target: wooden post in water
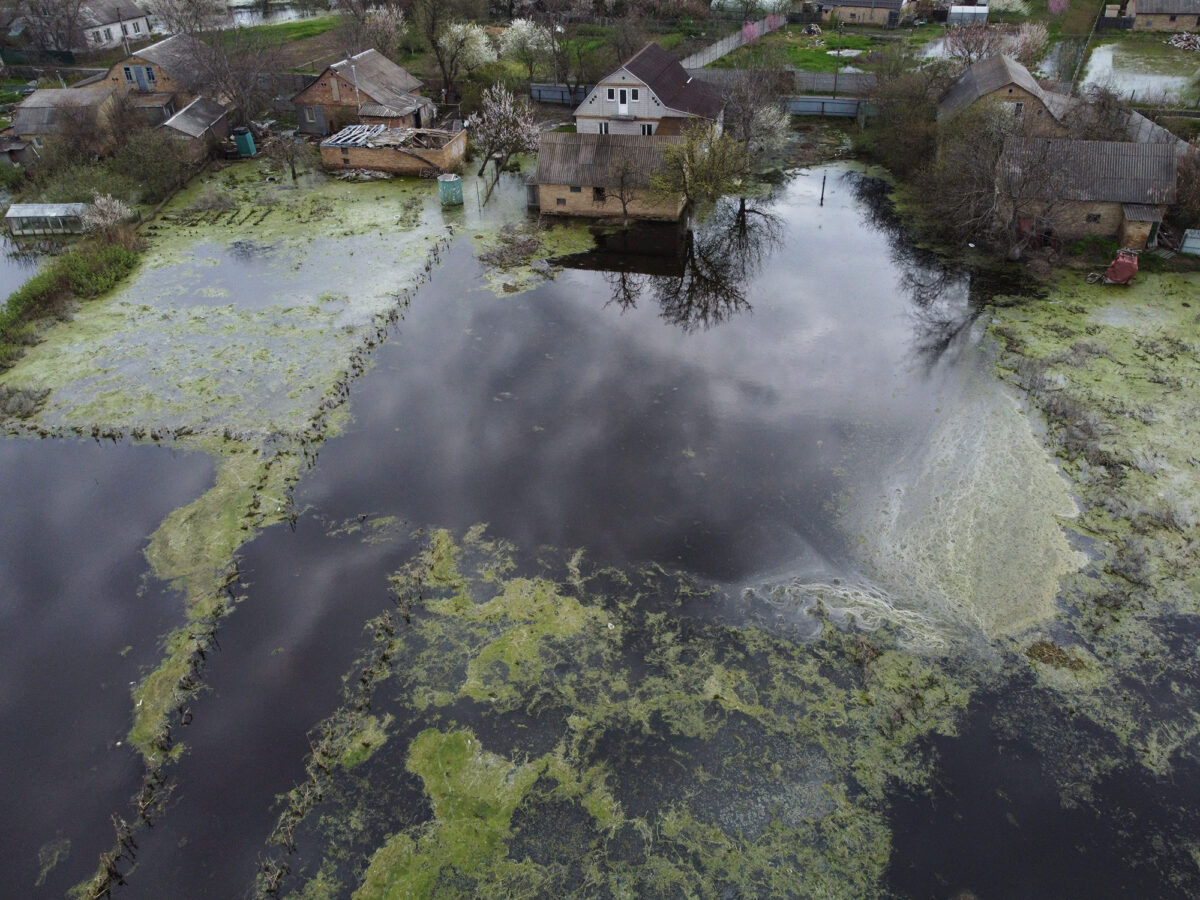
<point>822,203</point>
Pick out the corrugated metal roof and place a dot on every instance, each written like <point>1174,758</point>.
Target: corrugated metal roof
<point>379,80</point>
<point>108,12</point>
<point>181,56</point>
<point>1137,212</point>
<point>197,117</point>
<point>597,160</point>
<point>663,74</point>
<point>1101,171</point>
<point>46,210</point>
<point>354,136</point>
<point>1168,7</point>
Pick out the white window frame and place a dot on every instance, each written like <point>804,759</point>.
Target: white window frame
<point>612,93</point>
<point>633,94</point>
<point>604,128</point>
<point>96,37</point>
<point>309,114</point>
<point>108,34</point>
<point>128,74</point>
<point>137,27</point>
<point>124,29</point>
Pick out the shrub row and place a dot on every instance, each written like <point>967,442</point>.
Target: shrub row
<point>84,272</point>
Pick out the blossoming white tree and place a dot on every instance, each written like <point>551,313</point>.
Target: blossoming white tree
<point>105,213</point>
<point>503,126</point>
<point>527,42</point>
<point>462,47</point>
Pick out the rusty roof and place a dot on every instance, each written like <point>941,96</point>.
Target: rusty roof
<point>598,160</point>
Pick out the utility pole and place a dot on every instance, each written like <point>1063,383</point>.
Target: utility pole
<point>837,66</point>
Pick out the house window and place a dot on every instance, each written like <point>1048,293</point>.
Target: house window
<point>633,93</point>
<point>648,128</point>
<point>560,201</point>
<point>137,27</point>
<point>1171,19</point>
<point>1093,217</point>
<point>604,128</point>
<point>1018,110</point>
<point>96,36</point>
<point>575,189</point>
<point>612,93</point>
<point>150,74</point>
<point>599,195</point>
<point>128,74</point>
<point>108,34</point>
<point>124,29</point>
<point>310,114</point>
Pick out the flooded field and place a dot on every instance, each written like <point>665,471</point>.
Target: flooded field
<point>1144,73</point>
<point>364,555</point>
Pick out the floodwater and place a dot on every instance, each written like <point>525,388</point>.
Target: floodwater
<point>1143,77</point>
<point>790,406</point>
<point>17,264</point>
<point>244,14</point>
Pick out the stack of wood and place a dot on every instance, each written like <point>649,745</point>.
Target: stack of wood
<point>1185,41</point>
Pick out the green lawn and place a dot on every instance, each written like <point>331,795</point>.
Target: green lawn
<point>809,54</point>
<point>286,32</point>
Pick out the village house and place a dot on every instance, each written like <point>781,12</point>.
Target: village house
<point>199,126</point>
<point>172,66</point>
<point>367,88</point>
<point>885,13</point>
<point>1001,79</point>
<point>1164,15</point>
<point>1118,189</point>
<point>106,23</point>
<point>50,112</point>
<point>587,174</point>
<point>650,94</point>
<point>401,151</point>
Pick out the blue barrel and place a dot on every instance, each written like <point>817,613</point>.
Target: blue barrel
<point>450,188</point>
<point>244,140</point>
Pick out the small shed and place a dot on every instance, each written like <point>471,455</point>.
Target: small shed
<point>199,125</point>
<point>967,15</point>
<point>46,218</point>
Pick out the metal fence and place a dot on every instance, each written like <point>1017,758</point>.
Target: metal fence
<point>856,84</point>
<point>838,107</point>
<point>559,93</point>
<point>748,34</point>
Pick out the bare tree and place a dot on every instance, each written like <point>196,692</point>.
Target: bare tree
<point>188,16</point>
<point>287,150</point>
<point>626,179</point>
<point>705,165</point>
<point>372,25</point>
<point>754,115</point>
<point>1187,191</point>
<point>1099,115</point>
<point>239,66</point>
<point>54,24</point>
<point>971,43</point>
<point>627,36</point>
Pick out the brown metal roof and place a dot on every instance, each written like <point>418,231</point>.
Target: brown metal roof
<point>596,160</point>
<point>662,73</point>
<point>989,75</point>
<point>1102,171</point>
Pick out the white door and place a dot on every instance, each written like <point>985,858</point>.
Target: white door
<point>622,102</point>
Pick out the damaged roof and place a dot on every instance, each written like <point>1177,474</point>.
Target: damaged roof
<point>599,160</point>
<point>377,77</point>
<point>197,117</point>
<point>663,74</point>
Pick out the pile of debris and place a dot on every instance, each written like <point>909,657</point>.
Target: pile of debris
<point>1185,41</point>
<point>361,175</point>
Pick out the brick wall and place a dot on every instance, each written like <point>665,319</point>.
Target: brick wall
<point>163,81</point>
<point>1036,117</point>
<point>389,159</point>
<point>583,203</point>
<point>1158,22</point>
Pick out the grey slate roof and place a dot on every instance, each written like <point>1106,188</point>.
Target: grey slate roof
<point>378,78</point>
<point>1103,171</point>
<point>1168,7</point>
<point>45,111</point>
<point>108,12</point>
<point>663,74</point>
<point>180,56</point>
<point>595,160</point>
<point>988,75</point>
<point>196,118</point>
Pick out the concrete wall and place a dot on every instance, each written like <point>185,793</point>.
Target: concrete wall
<point>559,199</point>
<point>853,15</point>
<point>389,159</point>
<point>1135,235</point>
<point>108,36</point>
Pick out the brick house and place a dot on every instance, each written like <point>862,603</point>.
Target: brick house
<point>367,88</point>
<point>650,94</point>
<point>172,66</point>
<point>885,13</point>
<point>1164,15</point>
<point>585,174</point>
<point>1001,79</point>
<point>1117,189</point>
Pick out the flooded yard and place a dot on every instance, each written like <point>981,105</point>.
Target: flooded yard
<point>700,563</point>
<point>1145,72</point>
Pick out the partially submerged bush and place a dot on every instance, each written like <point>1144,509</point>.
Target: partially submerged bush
<point>20,403</point>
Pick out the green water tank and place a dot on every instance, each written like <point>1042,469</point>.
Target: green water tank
<point>244,140</point>
<point>450,188</point>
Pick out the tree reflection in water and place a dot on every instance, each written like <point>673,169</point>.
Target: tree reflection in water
<point>718,260</point>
